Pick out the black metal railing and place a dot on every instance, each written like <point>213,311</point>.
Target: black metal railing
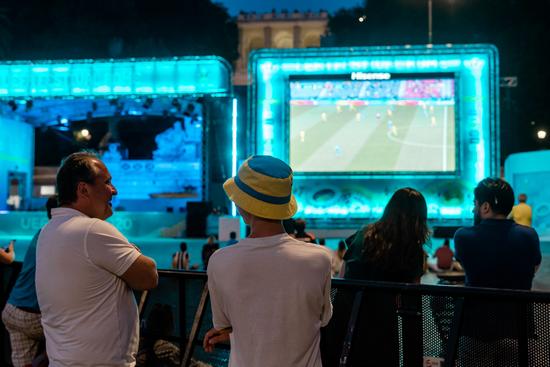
<point>378,323</point>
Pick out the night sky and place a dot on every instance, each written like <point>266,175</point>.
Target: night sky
<point>234,6</point>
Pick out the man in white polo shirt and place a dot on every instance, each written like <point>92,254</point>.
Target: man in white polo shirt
<point>85,272</point>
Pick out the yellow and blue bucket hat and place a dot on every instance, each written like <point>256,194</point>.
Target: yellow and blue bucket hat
<point>263,187</point>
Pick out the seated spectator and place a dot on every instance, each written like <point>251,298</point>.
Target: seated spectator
<point>497,252</point>
<point>300,232</point>
<point>338,259</point>
<point>7,255</point>
<point>232,239</point>
<point>180,259</point>
<point>444,256</point>
<point>445,259</point>
<point>390,249</point>
<point>21,315</point>
<point>208,249</point>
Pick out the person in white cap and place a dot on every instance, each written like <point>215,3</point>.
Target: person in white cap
<point>270,293</point>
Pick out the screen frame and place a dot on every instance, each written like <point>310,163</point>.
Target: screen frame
<point>375,174</point>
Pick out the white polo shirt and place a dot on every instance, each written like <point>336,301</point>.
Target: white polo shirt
<point>89,313</point>
<point>275,293</point>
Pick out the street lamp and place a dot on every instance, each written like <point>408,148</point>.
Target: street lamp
<point>541,134</point>
<point>430,33</point>
<point>430,19</point>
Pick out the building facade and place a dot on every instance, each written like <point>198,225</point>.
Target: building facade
<point>276,30</point>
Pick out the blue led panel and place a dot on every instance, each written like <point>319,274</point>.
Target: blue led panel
<point>145,77</point>
<point>300,97</point>
<point>90,78</point>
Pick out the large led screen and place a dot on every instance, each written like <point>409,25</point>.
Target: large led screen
<point>373,123</point>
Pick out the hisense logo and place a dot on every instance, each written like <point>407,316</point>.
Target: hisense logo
<point>358,75</point>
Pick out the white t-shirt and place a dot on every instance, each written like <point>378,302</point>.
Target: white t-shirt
<point>89,313</point>
<point>275,293</point>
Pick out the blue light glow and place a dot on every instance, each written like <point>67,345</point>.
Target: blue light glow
<point>475,68</point>
<point>205,75</point>
<point>450,211</point>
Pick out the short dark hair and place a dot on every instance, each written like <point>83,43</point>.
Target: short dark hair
<point>497,193</point>
<point>50,204</point>
<point>299,225</point>
<point>77,167</point>
<point>183,246</point>
<point>233,235</point>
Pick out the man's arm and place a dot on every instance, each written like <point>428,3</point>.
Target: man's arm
<point>109,249</point>
<point>142,274</point>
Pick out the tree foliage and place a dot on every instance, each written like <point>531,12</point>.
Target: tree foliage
<point>59,29</point>
<point>519,29</point>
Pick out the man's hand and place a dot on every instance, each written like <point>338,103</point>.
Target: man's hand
<point>7,256</point>
<point>215,336</point>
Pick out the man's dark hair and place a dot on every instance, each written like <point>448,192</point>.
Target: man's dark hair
<point>183,246</point>
<point>497,192</point>
<point>77,167</point>
<point>51,203</point>
<point>300,225</point>
<point>233,235</point>
<point>289,226</point>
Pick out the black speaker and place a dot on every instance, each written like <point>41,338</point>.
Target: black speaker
<point>197,212</point>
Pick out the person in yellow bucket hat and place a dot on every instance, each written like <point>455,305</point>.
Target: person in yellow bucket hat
<point>270,293</point>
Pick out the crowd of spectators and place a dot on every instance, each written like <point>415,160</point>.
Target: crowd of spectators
<point>269,292</point>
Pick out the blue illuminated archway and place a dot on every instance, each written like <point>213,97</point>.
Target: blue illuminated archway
<point>474,69</point>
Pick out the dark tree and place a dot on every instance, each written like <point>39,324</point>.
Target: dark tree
<point>58,29</point>
<point>519,29</point>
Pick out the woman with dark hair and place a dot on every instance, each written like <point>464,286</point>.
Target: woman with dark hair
<point>390,249</point>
